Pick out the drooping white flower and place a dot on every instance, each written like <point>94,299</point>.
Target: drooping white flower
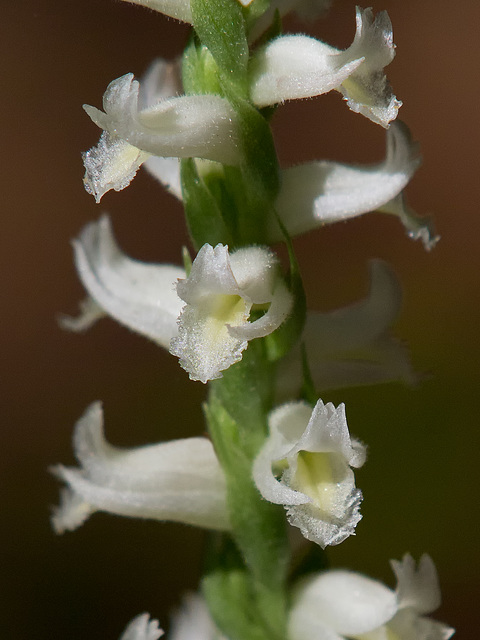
<point>296,66</point>
<point>180,480</point>
<point>338,604</point>
<point>201,126</point>
<point>140,296</point>
<point>142,628</point>
<point>353,345</point>
<point>323,192</point>
<point>220,293</point>
<point>305,464</point>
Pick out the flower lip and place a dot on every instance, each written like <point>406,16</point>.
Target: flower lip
<point>312,453</point>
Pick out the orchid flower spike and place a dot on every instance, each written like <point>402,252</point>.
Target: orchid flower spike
<point>142,628</point>
<point>352,346</point>
<point>305,464</point>
<point>140,296</point>
<point>319,193</point>
<point>180,480</point>
<point>296,66</point>
<point>139,122</point>
<point>343,604</point>
<point>220,293</point>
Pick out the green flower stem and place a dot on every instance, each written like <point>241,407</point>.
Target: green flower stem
<point>236,414</point>
<point>245,580</point>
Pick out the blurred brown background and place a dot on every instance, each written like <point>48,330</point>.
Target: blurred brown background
<point>420,483</point>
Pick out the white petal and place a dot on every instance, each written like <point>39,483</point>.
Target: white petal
<point>179,9</point>
<point>167,172</point>
<point>291,67</point>
<point>367,91</point>
<point>161,80</point>
<point>140,296</point>
<point>296,66</point>
<point>279,310</point>
<point>324,192</point>
<point>188,126</point>
<point>418,227</point>
<point>349,603</point>
<point>193,621</point>
<point>417,588</point>
<point>180,480</point>
<point>408,625</point>
<point>90,312</point>
<point>112,164</point>
<point>142,628</point>
<point>352,346</point>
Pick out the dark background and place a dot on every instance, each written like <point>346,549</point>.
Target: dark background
<point>420,482</point>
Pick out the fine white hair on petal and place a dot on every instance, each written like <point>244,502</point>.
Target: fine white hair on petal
<point>179,480</point>
<point>179,9</point>
<point>353,345</point>
<point>323,192</point>
<point>214,327</point>
<point>305,465</point>
<point>418,588</point>
<point>347,603</point>
<point>138,295</point>
<point>200,126</point>
<point>292,67</point>
<point>112,164</point>
<point>142,628</point>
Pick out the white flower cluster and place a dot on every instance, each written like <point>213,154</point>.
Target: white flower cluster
<point>206,313</point>
<point>335,605</point>
<point>149,122</point>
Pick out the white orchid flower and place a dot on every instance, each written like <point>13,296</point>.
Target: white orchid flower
<point>352,346</point>
<point>318,193</point>
<point>201,126</point>
<point>339,604</point>
<point>180,480</point>
<point>142,628</point>
<point>296,66</point>
<point>305,464</point>
<point>140,296</point>
<point>220,293</point>
<point>324,192</point>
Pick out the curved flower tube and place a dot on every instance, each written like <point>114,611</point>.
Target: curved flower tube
<point>323,192</point>
<point>292,67</point>
<point>200,126</point>
<point>180,480</point>
<point>220,292</point>
<point>338,604</point>
<point>305,464</point>
<point>352,346</point>
<point>140,296</point>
